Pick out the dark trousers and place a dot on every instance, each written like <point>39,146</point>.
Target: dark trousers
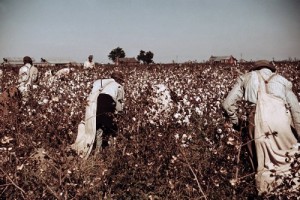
<point>247,131</point>
<point>106,107</point>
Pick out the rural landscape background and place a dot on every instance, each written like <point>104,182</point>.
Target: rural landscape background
<point>183,153</point>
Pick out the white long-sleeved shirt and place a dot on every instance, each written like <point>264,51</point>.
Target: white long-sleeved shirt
<point>28,75</point>
<point>88,65</point>
<point>247,87</point>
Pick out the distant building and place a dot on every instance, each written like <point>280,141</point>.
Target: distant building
<point>57,62</point>
<point>223,59</point>
<point>14,61</point>
<point>127,61</point>
<point>242,61</point>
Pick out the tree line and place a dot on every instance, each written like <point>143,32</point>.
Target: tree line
<point>145,57</point>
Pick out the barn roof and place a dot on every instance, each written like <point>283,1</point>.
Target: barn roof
<point>128,60</point>
<point>15,60</point>
<point>57,60</point>
<point>219,58</point>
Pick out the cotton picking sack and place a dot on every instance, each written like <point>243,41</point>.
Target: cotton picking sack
<point>273,138</point>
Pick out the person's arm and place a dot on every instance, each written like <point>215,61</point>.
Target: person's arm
<point>23,74</point>
<point>232,98</point>
<point>120,99</point>
<point>34,74</point>
<point>293,102</point>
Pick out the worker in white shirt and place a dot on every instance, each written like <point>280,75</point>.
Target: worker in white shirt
<point>274,113</point>
<point>89,64</point>
<point>28,76</point>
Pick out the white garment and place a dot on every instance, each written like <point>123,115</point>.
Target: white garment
<point>162,97</point>
<point>88,65</point>
<point>247,86</point>
<point>27,77</point>
<point>115,90</point>
<point>273,139</point>
<point>62,72</point>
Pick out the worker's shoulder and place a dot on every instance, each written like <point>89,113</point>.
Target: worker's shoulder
<point>281,79</point>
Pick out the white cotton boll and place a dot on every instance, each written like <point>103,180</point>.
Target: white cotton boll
<point>177,115</point>
<point>184,145</point>
<point>186,120</point>
<point>198,111</point>
<point>177,136</point>
<point>134,119</point>
<point>233,182</point>
<point>187,103</point>
<point>174,157</point>
<point>219,130</point>
<point>45,101</point>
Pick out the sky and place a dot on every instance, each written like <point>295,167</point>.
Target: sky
<point>174,30</point>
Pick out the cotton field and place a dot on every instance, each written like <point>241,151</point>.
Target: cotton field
<point>173,141</point>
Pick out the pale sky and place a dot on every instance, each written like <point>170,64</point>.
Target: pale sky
<point>178,30</point>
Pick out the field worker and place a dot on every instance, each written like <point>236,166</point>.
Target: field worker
<point>28,76</point>
<point>89,64</point>
<point>104,101</point>
<point>273,112</point>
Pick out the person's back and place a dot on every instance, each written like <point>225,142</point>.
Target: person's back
<point>277,85</point>
<point>247,88</point>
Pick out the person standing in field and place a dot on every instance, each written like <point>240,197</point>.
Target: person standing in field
<point>104,101</point>
<point>274,113</point>
<point>89,64</point>
<point>28,76</point>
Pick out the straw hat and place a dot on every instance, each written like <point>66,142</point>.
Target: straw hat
<point>260,64</point>
<point>117,75</point>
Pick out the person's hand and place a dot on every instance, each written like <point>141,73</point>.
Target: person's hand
<point>237,126</point>
<point>240,124</point>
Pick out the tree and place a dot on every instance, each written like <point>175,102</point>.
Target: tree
<point>145,57</point>
<point>116,53</point>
